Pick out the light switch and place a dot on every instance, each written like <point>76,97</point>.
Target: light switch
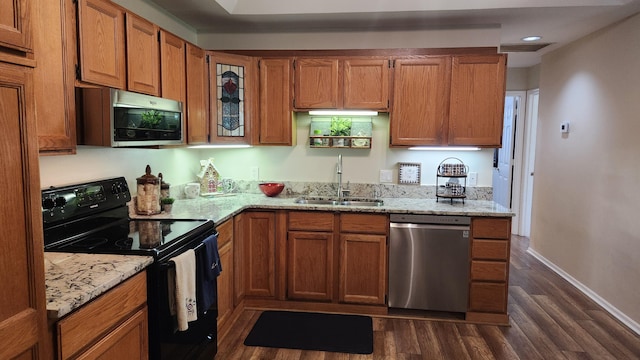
<point>386,176</point>
<point>473,179</point>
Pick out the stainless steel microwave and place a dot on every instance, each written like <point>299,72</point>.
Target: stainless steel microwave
<point>118,118</point>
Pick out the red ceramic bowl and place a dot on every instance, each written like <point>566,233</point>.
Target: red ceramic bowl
<point>271,189</point>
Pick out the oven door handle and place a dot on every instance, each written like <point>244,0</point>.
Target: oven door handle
<point>171,264</point>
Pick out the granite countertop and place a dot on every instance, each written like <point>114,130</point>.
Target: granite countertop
<point>219,209</point>
<point>74,279</point>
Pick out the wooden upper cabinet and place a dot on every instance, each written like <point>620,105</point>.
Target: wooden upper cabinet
<point>15,25</point>
<point>477,100</point>
<point>54,76</point>
<point>197,96</point>
<point>276,125</point>
<point>420,101</point>
<point>233,90</point>
<point>366,84</point>
<point>143,56</point>
<point>316,84</point>
<point>23,311</point>
<point>101,40</point>
<point>173,67</point>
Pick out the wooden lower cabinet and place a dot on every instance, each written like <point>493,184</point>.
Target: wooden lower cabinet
<point>363,268</point>
<point>489,285</point>
<point>113,326</point>
<point>259,239</point>
<point>310,265</point>
<point>351,271</point>
<point>225,280</point>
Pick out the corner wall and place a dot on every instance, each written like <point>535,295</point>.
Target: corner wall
<point>586,195</point>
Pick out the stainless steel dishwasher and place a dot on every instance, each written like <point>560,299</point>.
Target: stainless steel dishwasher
<point>429,262</point>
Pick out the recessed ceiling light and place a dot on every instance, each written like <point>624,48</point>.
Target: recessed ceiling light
<point>531,38</point>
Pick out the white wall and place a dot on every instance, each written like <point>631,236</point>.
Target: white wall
<point>301,163</point>
<point>586,195</point>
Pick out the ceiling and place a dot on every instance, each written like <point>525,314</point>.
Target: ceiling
<point>557,21</point>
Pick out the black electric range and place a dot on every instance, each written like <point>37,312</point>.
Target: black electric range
<point>93,218</point>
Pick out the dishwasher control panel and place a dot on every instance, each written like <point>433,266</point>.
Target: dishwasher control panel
<point>430,219</point>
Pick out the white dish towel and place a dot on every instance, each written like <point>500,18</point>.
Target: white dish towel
<point>183,282</point>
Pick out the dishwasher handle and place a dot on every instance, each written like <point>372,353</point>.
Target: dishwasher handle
<point>428,226</point>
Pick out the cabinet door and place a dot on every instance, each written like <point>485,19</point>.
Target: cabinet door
<point>53,79</point>
<point>173,67</point>
<point>143,56</point>
<point>15,24</point>
<point>477,100</point>
<point>128,341</point>
<point>197,96</point>
<point>316,84</point>
<point>366,84</point>
<point>363,268</point>
<point>232,93</point>
<point>23,310</point>
<point>101,42</point>
<point>420,101</point>
<point>310,265</point>
<point>259,253</point>
<point>276,126</point>
<point>225,284</point>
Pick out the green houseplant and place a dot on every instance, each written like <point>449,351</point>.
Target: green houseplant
<point>167,204</point>
<point>150,119</point>
<point>340,126</point>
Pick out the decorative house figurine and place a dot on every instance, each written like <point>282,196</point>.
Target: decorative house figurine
<point>209,177</point>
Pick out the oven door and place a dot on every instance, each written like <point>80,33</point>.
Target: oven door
<point>200,340</point>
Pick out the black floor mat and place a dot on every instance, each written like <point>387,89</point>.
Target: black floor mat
<point>313,331</point>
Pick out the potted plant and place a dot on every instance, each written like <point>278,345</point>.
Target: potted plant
<point>150,119</point>
<point>167,204</point>
<point>340,127</point>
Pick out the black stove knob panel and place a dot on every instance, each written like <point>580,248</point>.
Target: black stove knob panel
<point>48,204</point>
<point>60,201</point>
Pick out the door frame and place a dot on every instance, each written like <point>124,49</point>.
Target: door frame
<point>523,224</point>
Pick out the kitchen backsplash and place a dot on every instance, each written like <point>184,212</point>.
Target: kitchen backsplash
<point>293,189</point>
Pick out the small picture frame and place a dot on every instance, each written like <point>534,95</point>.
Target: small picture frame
<point>409,173</point>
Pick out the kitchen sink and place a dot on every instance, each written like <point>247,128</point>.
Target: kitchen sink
<point>336,201</point>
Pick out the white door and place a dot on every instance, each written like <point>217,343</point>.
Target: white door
<point>529,155</point>
<point>503,162</point>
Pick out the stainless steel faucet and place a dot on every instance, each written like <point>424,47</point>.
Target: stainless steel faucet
<point>339,172</point>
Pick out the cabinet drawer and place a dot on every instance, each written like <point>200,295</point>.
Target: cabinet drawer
<point>364,223</point>
<point>491,228</point>
<point>488,297</point>
<point>490,249</point>
<point>93,320</point>
<point>310,220</point>
<point>489,270</point>
<point>225,233</point>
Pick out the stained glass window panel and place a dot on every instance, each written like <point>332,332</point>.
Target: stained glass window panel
<point>230,90</point>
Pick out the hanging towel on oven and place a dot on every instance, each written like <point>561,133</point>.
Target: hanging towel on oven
<point>182,299</point>
<point>210,269</point>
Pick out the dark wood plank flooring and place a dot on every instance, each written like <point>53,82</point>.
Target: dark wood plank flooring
<point>550,319</point>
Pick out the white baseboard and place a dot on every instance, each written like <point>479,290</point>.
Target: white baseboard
<point>633,325</point>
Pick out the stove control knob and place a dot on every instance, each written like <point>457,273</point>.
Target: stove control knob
<point>48,203</point>
<point>60,201</point>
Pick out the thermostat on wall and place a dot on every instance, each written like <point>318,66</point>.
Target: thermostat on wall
<point>564,127</point>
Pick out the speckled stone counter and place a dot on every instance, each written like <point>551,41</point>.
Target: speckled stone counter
<point>74,279</point>
<point>222,208</point>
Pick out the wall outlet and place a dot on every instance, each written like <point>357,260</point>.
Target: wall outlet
<point>473,179</point>
<point>255,173</point>
<point>386,176</point>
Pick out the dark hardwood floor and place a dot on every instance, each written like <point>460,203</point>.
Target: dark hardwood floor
<point>550,319</point>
